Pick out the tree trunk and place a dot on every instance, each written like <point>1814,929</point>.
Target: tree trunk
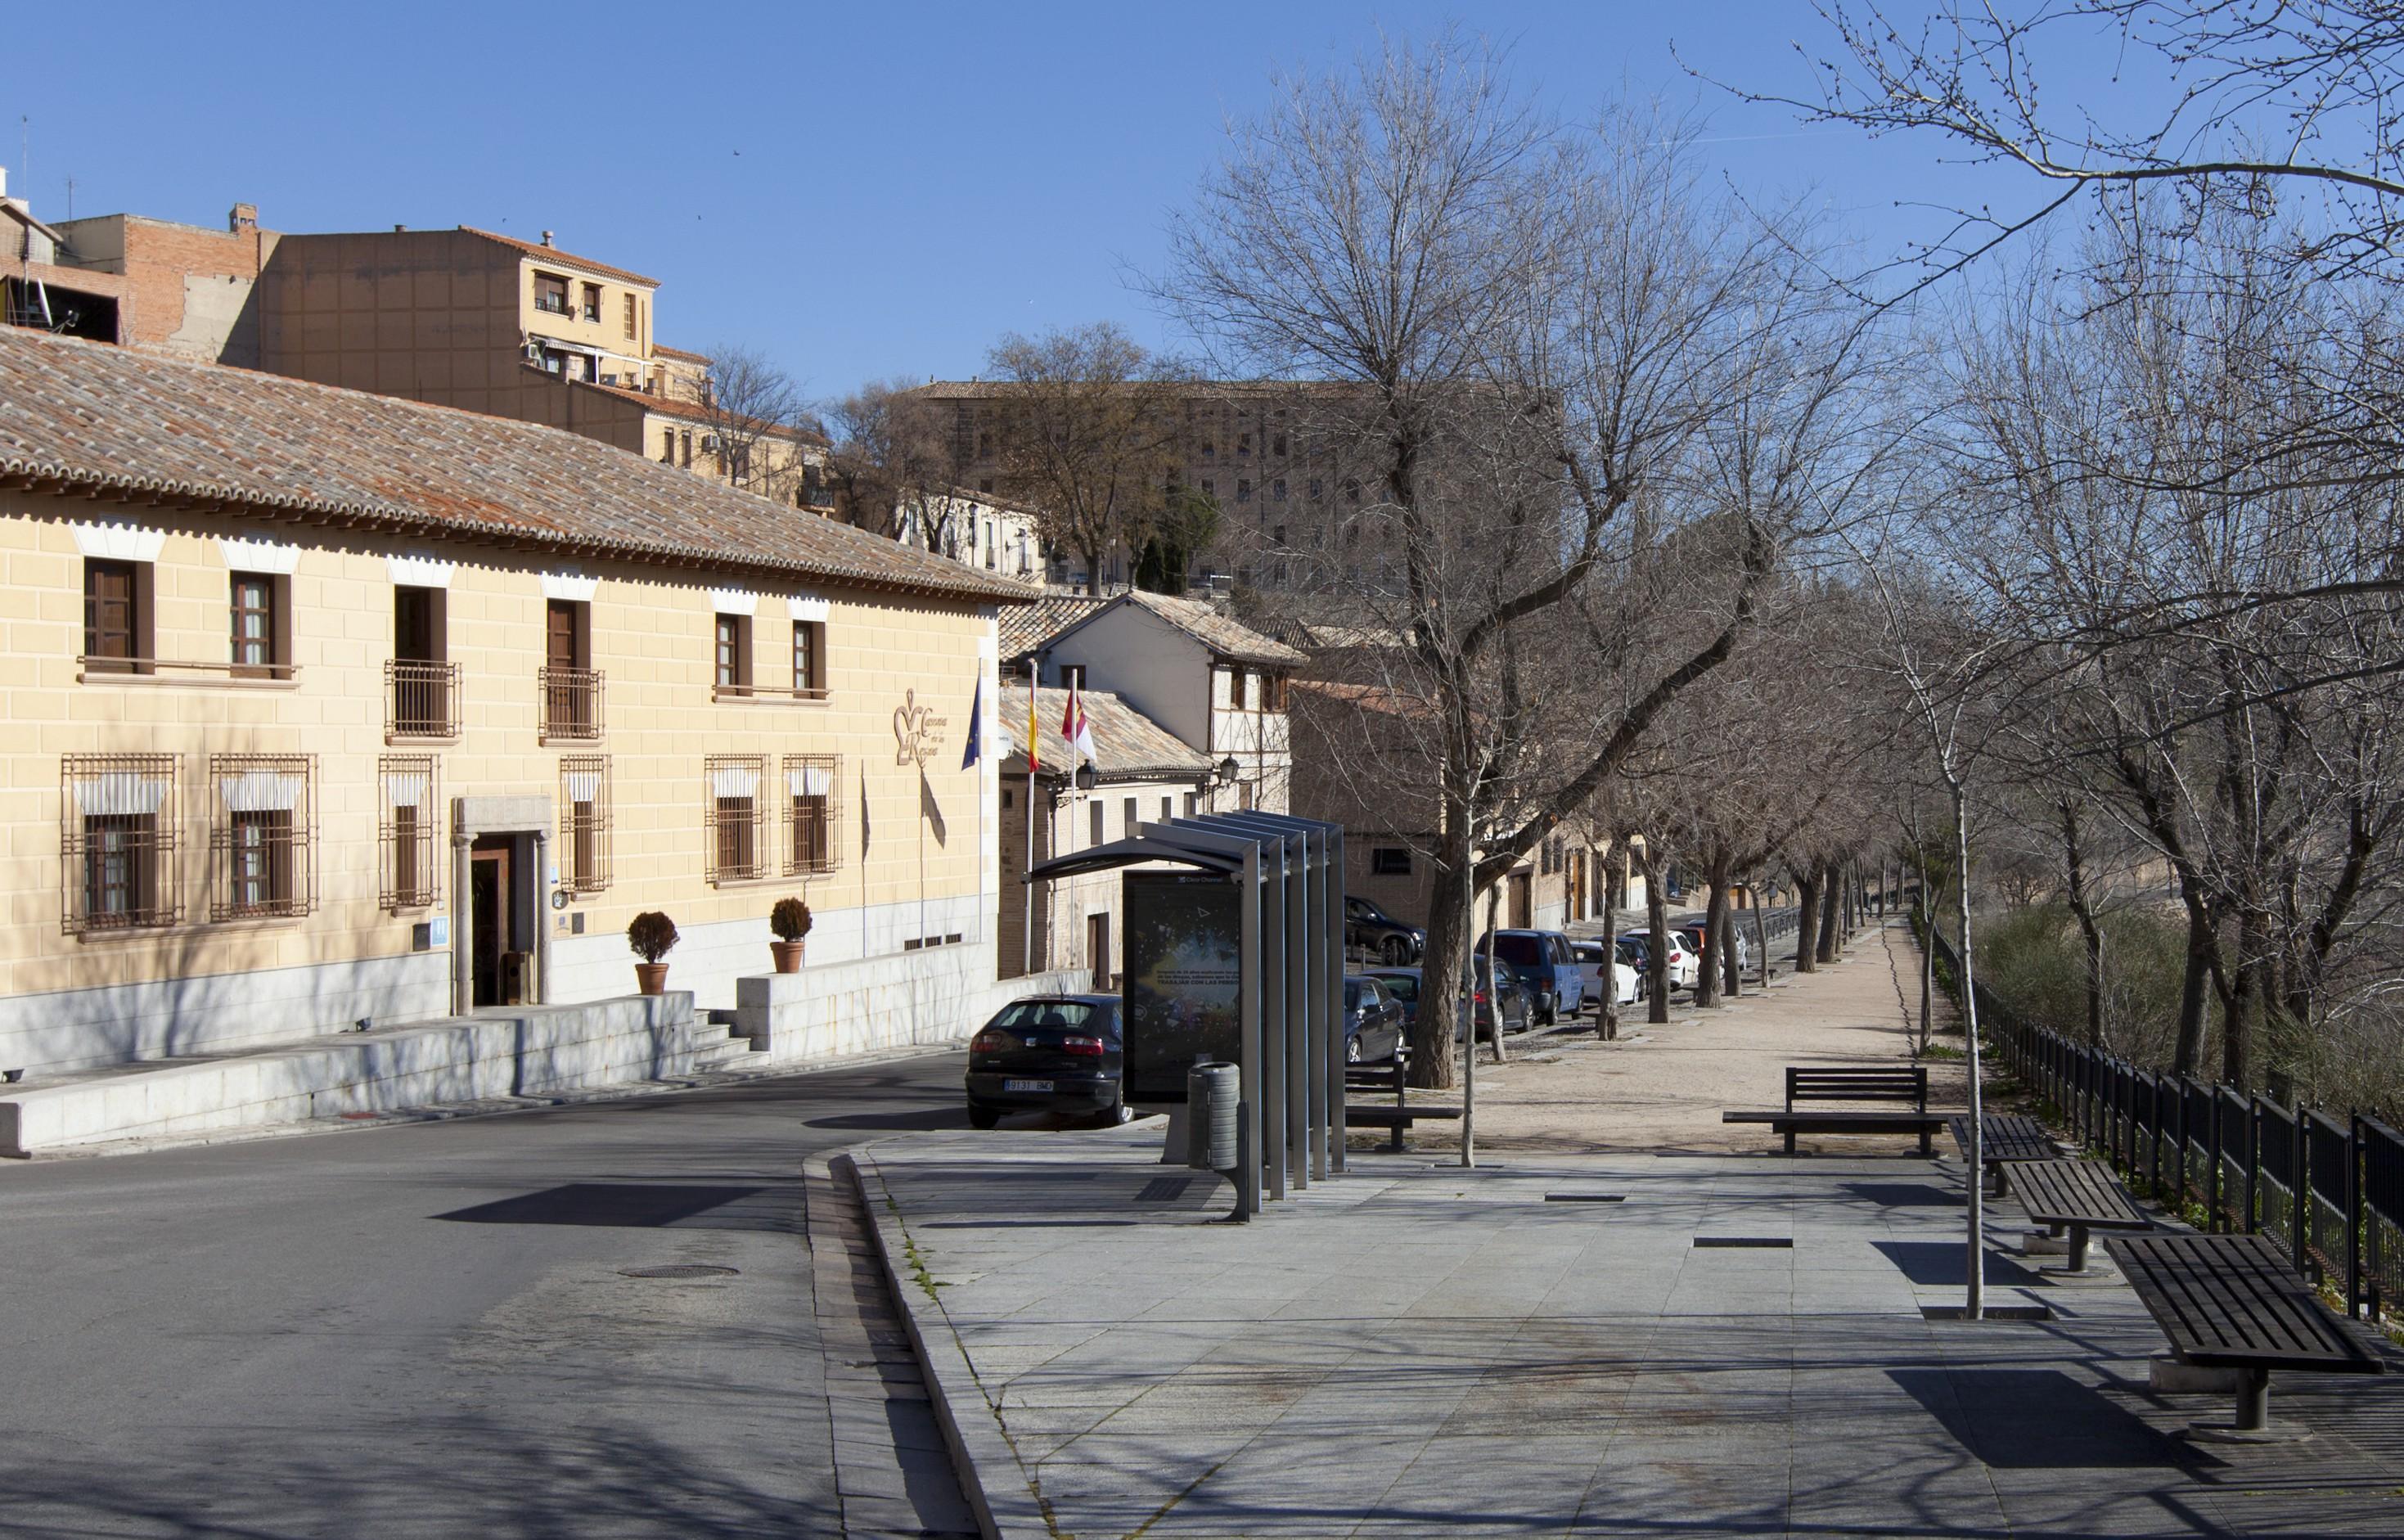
<point>1824,950</point>
<point>1807,919</point>
<point>1731,971</point>
<point>1707,980</point>
<point>1443,974</point>
<point>1606,1025</point>
<point>2075,862</point>
<point>2203,951</point>
<point>1761,930</point>
<point>1974,1301</point>
<point>2242,1019</point>
<point>1657,956</point>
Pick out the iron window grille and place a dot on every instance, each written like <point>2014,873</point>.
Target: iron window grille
<point>420,699</point>
<point>584,822</point>
<point>409,802</point>
<point>733,820</point>
<point>117,843</point>
<point>262,825</point>
<point>814,814</point>
<point>572,703</point>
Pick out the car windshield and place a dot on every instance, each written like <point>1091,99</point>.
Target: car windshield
<point>1021,1014</point>
<point>1401,988</point>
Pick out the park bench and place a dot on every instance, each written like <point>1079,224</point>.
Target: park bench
<point>2234,1302</point>
<point>2077,1196</point>
<point>1807,1090</point>
<point>1402,1114</point>
<point>2004,1136</point>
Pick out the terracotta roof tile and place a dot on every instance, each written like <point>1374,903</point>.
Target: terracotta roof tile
<point>1024,631</point>
<point>91,418</point>
<point>1125,741</point>
<point>673,406</point>
<point>553,254</point>
<point>681,354</point>
<point>1225,638</point>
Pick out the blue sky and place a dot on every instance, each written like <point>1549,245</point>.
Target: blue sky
<point>861,191</point>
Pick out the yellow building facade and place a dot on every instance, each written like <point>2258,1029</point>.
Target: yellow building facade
<point>328,707</point>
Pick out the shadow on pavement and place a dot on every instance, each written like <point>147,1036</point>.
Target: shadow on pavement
<point>2038,1420</point>
<point>628,1205</point>
<point>1938,1263</point>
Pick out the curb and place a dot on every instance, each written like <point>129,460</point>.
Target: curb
<point>973,1434</point>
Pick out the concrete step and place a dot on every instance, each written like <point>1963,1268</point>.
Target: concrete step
<point>511,1055</point>
<point>715,1047</point>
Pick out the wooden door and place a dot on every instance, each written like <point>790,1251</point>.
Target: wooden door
<point>488,886</point>
<point>1523,906</point>
<point>560,650</point>
<point>413,624</point>
<point>1098,948</point>
<point>108,628</point>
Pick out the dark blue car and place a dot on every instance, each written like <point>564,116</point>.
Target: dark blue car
<point>1049,1053</point>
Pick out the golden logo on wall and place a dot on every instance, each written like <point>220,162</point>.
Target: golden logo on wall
<point>917,732</point>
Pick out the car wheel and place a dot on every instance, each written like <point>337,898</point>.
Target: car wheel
<point>1118,1110</point>
<point>983,1117</point>
<point>1396,951</point>
<point>1352,1049</point>
<point>1546,1012</point>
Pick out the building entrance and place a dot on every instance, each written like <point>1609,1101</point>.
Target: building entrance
<point>500,902</point>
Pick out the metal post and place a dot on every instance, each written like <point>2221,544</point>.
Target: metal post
<point>2252,1164</point>
<point>1331,984</point>
<point>1302,1124</point>
<point>2353,1216</point>
<point>2253,1401</point>
<point>1247,1178</point>
<point>1269,897</point>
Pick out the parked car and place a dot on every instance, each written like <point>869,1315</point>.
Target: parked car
<point>1683,963</point>
<point>1373,1021</point>
<point>1545,967</point>
<point>1406,984</point>
<point>1632,953</point>
<point>1055,1053</point>
<point>1599,963</point>
<point>1380,934</point>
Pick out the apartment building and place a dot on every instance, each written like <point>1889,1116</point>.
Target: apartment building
<point>329,706</point>
<point>491,323</point>
<point>973,528</point>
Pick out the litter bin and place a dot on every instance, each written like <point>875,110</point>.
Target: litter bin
<point>1212,1094</point>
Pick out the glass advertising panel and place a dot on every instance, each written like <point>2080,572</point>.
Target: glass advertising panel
<point>1184,973</point>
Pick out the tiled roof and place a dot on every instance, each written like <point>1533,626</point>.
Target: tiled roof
<point>680,354</point>
<point>553,254</point>
<point>676,406</point>
<point>89,417</point>
<point>1125,741</point>
<point>1225,638</point>
<point>1022,631</point>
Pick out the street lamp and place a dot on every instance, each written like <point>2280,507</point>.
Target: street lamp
<point>1228,769</point>
<point>1086,778</point>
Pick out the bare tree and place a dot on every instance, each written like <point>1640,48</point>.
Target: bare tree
<point>894,465</point>
<point>758,418</point>
<point>1088,437</point>
<point>1530,326</point>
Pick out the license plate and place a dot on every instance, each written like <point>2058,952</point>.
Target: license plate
<point>1026,1085</point>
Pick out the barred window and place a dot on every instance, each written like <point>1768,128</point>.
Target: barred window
<point>262,822</point>
<point>733,849</point>
<point>409,805</point>
<point>584,822</point>
<point>117,842</point>
<point>813,813</point>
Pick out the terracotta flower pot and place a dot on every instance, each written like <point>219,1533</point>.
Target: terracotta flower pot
<point>651,979</point>
<point>788,955</point>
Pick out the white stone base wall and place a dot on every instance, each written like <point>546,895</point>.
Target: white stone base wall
<point>540,1049</point>
<point>72,1029</point>
<point>834,1009</point>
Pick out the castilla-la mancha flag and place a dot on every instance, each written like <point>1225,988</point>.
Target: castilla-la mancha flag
<point>1078,732</point>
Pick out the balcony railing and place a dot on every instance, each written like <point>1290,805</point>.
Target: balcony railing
<point>420,699</point>
<point>571,704</point>
<point>155,668</point>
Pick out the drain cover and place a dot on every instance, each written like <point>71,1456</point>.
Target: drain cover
<point>679,1270</point>
<point>1785,1242</point>
<point>1586,1198</point>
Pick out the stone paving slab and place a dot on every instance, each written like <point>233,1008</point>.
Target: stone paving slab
<point>1416,1349</point>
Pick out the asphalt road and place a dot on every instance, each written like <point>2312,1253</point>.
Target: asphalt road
<point>425,1329</point>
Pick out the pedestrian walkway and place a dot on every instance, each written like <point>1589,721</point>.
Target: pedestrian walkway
<point>1661,1087</point>
<point>1564,1343</point>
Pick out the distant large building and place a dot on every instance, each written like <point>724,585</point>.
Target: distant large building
<point>1273,455</point>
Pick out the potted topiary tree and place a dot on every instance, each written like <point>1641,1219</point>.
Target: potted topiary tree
<point>791,921</point>
<point>651,937</point>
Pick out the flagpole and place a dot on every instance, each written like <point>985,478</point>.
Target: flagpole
<point>1033,732</point>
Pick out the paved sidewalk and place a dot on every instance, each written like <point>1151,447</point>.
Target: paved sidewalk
<point>1416,1351</point>
<point>1735,1347</point>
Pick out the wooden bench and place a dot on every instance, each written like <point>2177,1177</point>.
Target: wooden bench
<point>1402,1114</point>
<point>1869,1082</point>
<point>2234,1302</point>
<point>2004,1136</point>
<point>2077,1196</point>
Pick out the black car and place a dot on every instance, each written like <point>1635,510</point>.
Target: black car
<point>1373,1021</point>
<point>1380,935</point>
<point>1053,1052</point>
<point>1404,985</point>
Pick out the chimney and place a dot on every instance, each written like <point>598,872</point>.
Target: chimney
<point>4,181</point>
<point>547,240</point>
<point>400,230</point>
<point>243,217</point>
